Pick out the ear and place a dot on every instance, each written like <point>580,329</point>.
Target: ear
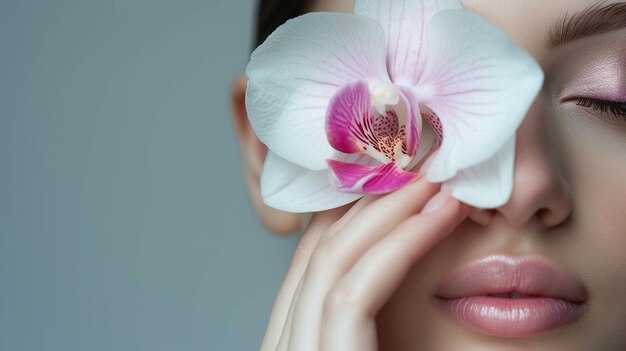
<point>254,152</point>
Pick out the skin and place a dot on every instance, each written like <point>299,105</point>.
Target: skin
<point>363,276</point>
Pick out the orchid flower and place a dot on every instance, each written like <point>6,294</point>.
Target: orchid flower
<point>340,100</point>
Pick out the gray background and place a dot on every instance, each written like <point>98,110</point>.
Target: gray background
<point>124,221</point>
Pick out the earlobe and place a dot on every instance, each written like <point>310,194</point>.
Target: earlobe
<point>253,153</point>
<point>253,150</point>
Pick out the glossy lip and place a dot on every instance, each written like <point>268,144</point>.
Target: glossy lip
<point>550,297</point>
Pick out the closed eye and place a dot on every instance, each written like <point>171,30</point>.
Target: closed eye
<point>613,109</point>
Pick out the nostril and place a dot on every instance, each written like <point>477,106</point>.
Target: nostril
<point>545,215</point>
<point>481,216</point>
<point>550,218</point>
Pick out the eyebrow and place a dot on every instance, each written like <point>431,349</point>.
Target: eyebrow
<point>594,20</point>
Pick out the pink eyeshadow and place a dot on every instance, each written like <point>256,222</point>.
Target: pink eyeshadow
<point>603,78</point>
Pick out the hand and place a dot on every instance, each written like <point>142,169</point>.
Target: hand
<point>346,267</point>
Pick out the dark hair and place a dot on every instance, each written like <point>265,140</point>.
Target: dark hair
<point>273,13</point>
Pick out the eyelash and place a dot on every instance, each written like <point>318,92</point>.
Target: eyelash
<point>615,109</point>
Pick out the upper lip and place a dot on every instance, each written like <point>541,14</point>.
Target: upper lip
<point>499,274</point>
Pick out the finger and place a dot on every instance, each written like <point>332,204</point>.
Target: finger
<point>279,325</point>
<point>278,332</point>
<point>336,255</point>
<point>280,321</point>
<point>354,302</point>
<point>287,295</point>
<point>283,342</point>
<point>369,225</point>
<point>339,221</point>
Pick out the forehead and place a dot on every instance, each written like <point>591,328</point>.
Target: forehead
<point>527,22</point>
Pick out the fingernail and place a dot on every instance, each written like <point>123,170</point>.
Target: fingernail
<point>437,202</point>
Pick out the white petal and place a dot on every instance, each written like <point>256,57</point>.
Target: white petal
<point>489,184</point>
<point>296,72</point>
<point>292,188</point>
<point>482,84</point>
<point>404,23</point>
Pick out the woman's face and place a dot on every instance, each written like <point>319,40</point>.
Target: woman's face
<point>568,201</point>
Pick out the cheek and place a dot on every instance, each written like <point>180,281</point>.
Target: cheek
<point>591,154</point>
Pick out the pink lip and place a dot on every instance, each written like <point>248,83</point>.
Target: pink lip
<point>550,296</point>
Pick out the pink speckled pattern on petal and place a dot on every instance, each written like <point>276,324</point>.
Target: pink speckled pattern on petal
<point>359,179</point>
<point>352,126</point>
<point>414,122</point>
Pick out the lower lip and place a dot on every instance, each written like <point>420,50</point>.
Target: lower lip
<point>506,317</point>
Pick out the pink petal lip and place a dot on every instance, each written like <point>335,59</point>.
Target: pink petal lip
<point>478,296</point>
<point>360,179</point>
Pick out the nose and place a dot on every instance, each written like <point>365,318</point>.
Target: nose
<point>540,192</point>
